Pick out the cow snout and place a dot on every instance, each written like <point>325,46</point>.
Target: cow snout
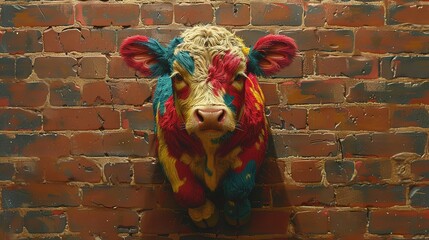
<point>210,118</point>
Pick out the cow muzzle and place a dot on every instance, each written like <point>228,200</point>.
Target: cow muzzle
<point>210,119</point>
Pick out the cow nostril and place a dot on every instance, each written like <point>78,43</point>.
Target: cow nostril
<point>221,116</point>
<point>199,116</point>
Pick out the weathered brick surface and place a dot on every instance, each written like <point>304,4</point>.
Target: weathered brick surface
<point>233,14</point>
<point>104,14</point>
<point>349,121</point>
<point>37,15</point>
<point>276,14</point>
<point>157,13</point>
<point>80,40</point>
<point>192,14</point>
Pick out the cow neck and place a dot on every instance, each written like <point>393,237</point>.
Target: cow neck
<point>210,171</point>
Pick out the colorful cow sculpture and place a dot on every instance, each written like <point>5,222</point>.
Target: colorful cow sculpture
<point>210,121</point>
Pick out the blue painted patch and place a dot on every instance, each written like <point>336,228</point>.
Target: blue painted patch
<point>164,90</point>
<point>237,210</point>
<point>253,63</point>
<point>228,102</point>
<point>239,185</point>
<point>185,59</point>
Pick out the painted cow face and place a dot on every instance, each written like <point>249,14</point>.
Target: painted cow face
<point>208,71</point>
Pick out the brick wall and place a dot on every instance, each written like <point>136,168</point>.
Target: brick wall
<point>349,121</point>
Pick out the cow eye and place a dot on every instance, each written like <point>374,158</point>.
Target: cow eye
<point>177,77</point>
<point>239,77</point>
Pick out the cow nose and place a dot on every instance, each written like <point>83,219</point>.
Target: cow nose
<point>210,118</point>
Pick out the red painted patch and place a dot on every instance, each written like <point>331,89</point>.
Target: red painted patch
<point>222,70</point>
<point>183,93</point>
<point>175,135</point>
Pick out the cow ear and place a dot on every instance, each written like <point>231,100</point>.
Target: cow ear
<point>146,55</point>
<point>270,54</point>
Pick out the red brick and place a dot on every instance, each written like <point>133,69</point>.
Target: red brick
<point>80,40</point>
<point>193,14</point>
<point>373,171</point>
<point>96,93</point>
<point>405,66</point>
<point>233,14</point>
<point>87,143</point>
<point>148,172</point>
<point>263,222</point>
<point>125,143</point>
<point>350,118</point>
<point>411,14</point>
<point>404,222</point>
<point>40,15</point>
<point>418,196</point>
<point>306,171</point>
<point>393,92</point>
<point>162,35</point>
<point>92,67</point>
<point>7,171</point>
<point>409,117</point>
<point>275,14</point>
<point>383,144</point>
<point>370,195</point>
<point>270,93</point>
<point>45,221</point>
<point>141,119</point>
<point>323,40</point>
<point>125,197</point>
<point>339,171</point>
<point>347,223</point>
<point>305,145</point>
<point>11,222</point>
<point>29,171</point>
<point>153,222</point>
<point>40,195</point>
<point>310,222</point>
<point>314,16</point>
<point>356,66</point>
<point>22,94</point>
<point>130,93</point>
<point>41,145</point>
<point>77,169</point>
<point>20,42</point>
<point>64,94</point>
<point>354,15</point>
<point>117,68</point>
<point>420,170</point>
<point>102,222</point>
<point>34,145</point>
<point>288,195</point>
<point>80,119</point>
<point>15,68</point>
<point>157,14</point>
<point>107,14</point>
<point>271,172</point>
<point>260,197</point>
<point>313,91</point>
<point>251,36</point>
<point>294,70</point>
<point>165,198</point>
<point>19,119</point>
<point>382,40</point>
<point>64,67</point>
<point>287,118</point>
<point>118,172</point>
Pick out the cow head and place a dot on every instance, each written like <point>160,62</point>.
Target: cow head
<point>210,71</point>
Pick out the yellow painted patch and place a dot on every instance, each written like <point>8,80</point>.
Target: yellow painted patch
<point>169,163</point>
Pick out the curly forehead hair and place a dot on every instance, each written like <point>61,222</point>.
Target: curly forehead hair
<point>205,42</point>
